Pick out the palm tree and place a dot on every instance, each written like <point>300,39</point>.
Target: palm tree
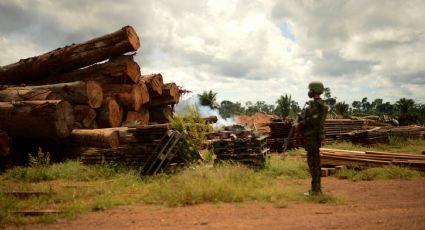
<point>341,108</point>
<point>405,105</point>
<point>208,99</point>
<point>283,105</point>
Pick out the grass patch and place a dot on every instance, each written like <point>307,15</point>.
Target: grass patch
<point>224,183</point>
<point>382,173</point>
<point>286,168</point>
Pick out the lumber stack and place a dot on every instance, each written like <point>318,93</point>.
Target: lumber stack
<point>279,132</point>
<point>73,93</point>
<point>407,132</point>
<point>367,137</point>
<point>336,128</point>
<point>361,159</point>
<point>245,147</point>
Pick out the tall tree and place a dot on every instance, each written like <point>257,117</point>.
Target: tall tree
<point>208,99</point>
<point>283,107</point>
<point>405,105</point>
<point>229,109</point>
<point>341,108</point>
<point>357,105</point>
<point>331,101</point>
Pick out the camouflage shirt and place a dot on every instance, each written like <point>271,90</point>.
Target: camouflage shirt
<point>313,118</point>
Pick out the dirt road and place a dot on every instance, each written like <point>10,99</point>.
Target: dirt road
<point>390,204</point>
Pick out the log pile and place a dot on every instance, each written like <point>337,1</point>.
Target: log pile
<point>245,147</point>
<point>136,146</point>
<point>360,159</point>
<point>76,93</point>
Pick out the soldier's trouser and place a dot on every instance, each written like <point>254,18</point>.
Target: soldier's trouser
<point>313,160</point>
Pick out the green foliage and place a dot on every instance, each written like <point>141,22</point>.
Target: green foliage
<point>188,150</point>
<point>286,168</point>
<point>208,99</point>
<point>229,109</point>
<point>405,105</point>
<point>42,160</point>
<point>341,108</point>
<point>381,173</point>
<point>283,107</point>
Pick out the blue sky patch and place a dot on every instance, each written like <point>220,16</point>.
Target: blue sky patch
<point>285,29</point>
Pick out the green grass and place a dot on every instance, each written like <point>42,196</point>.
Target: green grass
<point>383,173</point>
<point>74,188</point>
<point>287,168</point>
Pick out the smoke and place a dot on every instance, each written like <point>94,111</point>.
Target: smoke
<point>204,111</point>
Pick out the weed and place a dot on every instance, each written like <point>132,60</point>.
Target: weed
<point>287,168</point>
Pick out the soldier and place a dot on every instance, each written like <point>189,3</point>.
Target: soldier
<point>310,125</point>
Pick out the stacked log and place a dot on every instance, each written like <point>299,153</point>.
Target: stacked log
<point>76,93</point>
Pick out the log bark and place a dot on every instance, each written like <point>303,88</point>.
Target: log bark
<point>79,92</point>
<point>154,82</point>
<point>71,57</point>
<point>109,114</point>
<point>128,95</point>
<point>4,144</point>
<point>37,119</point>
<point>163,114</point>
<point>95,137</point>
<point>141,117</point>
<point>122,70</point>
<point>85,116</point>
<point>170,95</point>
<point>8,94</point>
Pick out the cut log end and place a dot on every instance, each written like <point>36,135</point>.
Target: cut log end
<point>132,37</point>
<point>109,114</point>
<point>94,94</point>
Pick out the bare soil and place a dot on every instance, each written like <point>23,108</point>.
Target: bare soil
<point>385,204</point>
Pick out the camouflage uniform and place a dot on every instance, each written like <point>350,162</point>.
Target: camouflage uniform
<point>311,126</point>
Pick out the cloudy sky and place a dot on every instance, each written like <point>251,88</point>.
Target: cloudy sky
<point>243,49</point>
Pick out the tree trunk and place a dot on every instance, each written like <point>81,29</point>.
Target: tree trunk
<point>122,70</point>
<point>170,95</point>
<point>78,92</point>
<point>163,114</point>
<point>109,114</point>
<point>4,144</point>
<point>71,57</point>
<point>85,116</point>
<point>129,95</point>
<point>37,119</point>
<point>27,94</point>
<point>95,137</point>
<point>141,117</point>
<point>154,83</point>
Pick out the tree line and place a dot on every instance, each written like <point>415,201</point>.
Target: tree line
<point>407,111</point>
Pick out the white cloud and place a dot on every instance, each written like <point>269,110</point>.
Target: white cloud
<point>244,50</point>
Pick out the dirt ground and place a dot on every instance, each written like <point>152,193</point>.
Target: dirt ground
<point>385,204</point>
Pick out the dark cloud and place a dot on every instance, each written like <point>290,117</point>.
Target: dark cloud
<point>332,64</point>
